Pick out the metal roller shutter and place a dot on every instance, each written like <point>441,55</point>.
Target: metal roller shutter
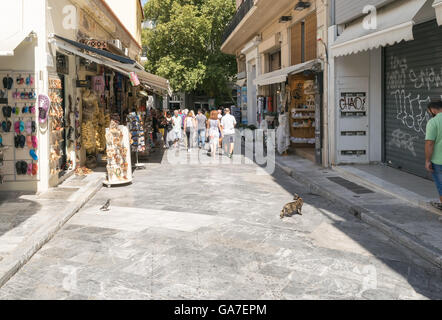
<point>413,77</point>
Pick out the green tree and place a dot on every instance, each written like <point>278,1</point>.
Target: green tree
<point>184,45</point>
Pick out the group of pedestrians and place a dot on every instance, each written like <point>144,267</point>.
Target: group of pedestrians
<point>214,127</point>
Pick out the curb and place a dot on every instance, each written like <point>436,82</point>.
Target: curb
<point>11,264</point>
<point>432,255</point>
<point>422,204</point>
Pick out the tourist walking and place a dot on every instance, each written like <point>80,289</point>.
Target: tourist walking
<point>228,123</point>
<point>202,123</point>
<point>433,147</point>
<point>189,128</point>
<point>168,128</point>
<point>176,131</point>
<point>214,129</point>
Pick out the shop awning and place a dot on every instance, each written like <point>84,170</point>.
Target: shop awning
<point>100,52</point>
<point>281,75</point>
<point>119,63</point>
<point>12,41</point>
<point>241,83</point>
<point>437,5</point>
<point>65,45</point>
<point>394,24</point>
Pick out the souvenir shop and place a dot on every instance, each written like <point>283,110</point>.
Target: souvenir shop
<point>305,114</point>
<point>291,102</point>
<point>20,120</point>
<point>54,123</point>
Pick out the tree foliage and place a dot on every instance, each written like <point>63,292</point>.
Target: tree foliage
<point>184,45</point>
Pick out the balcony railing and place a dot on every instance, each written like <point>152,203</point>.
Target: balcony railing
<point>239,15</point>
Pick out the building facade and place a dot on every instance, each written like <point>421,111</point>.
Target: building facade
<point>55,56</point>
<point>385,67</point>
<point>282,63</point>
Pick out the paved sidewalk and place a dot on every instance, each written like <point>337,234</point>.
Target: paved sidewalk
<point>410,225</point>
<point>28,221</point>
<point>415,190</point>
<point>212,231</point>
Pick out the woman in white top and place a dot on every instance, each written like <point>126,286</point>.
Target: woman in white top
<point>189,128</point>
<point>214,132</point>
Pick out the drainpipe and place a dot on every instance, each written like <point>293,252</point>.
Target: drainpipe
<point>332,32</point>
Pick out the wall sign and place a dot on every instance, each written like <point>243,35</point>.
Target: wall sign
<point>353,102</point>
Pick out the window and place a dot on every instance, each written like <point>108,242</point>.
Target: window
<point>275,61</point>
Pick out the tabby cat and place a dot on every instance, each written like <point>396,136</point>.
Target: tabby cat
<point>292,207</point>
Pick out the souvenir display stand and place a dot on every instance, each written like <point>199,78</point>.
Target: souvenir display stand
<point>58,157</point>
<point>119,169</point>
<point>19,147</point>
<point>136,128</point>
<point>148,128</point>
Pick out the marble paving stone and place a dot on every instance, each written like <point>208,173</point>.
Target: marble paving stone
<point>134,219</point>
<point>213,232</point>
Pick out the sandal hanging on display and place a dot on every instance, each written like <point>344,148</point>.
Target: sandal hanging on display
<point>24,167</point>
<point>34,142</point>
<point>22,126</point>
<point>34,169</point>
<point>18,167</point>
<point>33,155</point>
<point>22,141</point>
<point>29,171</point>
<point>29,141</point>
<point>17,127</point>
<point>28,127</point>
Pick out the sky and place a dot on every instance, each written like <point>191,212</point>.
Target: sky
<point>144,2</point>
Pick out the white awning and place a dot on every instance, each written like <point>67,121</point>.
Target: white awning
<point>281,75</point>
<point>437,5</point>
<point>8,45</point>
<point>241,83</point>
<point>394,24</point>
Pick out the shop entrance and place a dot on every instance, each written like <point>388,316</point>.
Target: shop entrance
<point>303,114</point>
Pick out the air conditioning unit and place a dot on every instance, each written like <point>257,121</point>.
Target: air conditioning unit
<point>117,43</point>
<point>126,51</point>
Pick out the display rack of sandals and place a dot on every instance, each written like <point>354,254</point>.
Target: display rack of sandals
<point>136,129</point>
<point>58,157</point>
<point>119,169</point>
<point>18,135</point>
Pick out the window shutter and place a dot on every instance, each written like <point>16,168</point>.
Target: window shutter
<point>296,44</point>
<point>310,37</point>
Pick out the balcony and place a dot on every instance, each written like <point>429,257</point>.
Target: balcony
<point>252,17</point>
<point>239,15</point>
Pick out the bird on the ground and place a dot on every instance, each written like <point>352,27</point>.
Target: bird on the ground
<point>106,206</point>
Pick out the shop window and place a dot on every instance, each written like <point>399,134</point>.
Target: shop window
<point>303,40</point>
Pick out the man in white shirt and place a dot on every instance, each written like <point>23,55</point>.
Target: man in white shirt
<point>228,123</point>
<point>176,132</point>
